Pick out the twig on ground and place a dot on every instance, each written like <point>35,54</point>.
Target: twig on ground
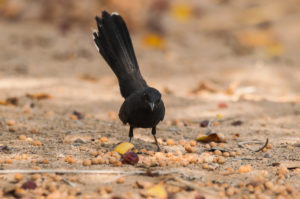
<point>241,144</point>
<point>189,185</point>
<point>264,146</point>
<point>116,172</point>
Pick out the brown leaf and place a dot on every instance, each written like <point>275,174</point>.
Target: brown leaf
<point>89,78</point>
<point>39,96</point>
<point>214,137</point>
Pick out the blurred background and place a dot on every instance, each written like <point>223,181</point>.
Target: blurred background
<point>212,49</point>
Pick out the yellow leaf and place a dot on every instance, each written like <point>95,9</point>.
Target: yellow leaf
<point>214,137</point>
<point>275,50</point>
<point>154,40</point>
<point>219,116</point>
<point>124,147</point>
<point>181,12</point>
<point>158,190</point>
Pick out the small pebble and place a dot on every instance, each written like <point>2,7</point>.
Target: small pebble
<point>237,123</point>
<point>204,123</point>
<point>29,185</point>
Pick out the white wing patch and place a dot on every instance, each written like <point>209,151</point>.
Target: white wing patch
<point>95,31</point>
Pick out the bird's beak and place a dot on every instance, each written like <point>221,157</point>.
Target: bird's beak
<point>151,104</point>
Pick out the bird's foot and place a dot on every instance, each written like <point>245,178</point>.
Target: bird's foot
<point>130,139</point>
<point>158,149</point>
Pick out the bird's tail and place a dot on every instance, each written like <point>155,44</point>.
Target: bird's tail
<point>113,42</point>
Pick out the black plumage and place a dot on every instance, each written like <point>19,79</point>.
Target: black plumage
<point>143,106</point>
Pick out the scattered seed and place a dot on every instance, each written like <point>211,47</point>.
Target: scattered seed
<point>245,168</point>
<point>170,142</point>
<point>104,139</point>
<point>212,144</point>
<point>217,152</point>
<point>36,176</point>
<point>17,157</point>
<point>232,154</point>
<point>18,177</point>
<point>24,157</point>
<point>70,159</point>
<point>11,129</point>
<point>189,149</point>
<point>36,143</point>
<point>33,131</point>
<point>226,154</point>
<point>8,161</point>
<point>22,137</point>
<point>87,162</point>
<point>120,180</point>
<point>193,143</point>
<point>11,123</point>
<point>221,160</point>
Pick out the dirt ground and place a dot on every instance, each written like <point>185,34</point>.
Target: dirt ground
<point>222,61</point>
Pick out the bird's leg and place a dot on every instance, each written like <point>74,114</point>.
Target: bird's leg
<point>130,133</point>
<point>153,133</point>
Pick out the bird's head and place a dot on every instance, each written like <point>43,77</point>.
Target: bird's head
<point>151,97</point>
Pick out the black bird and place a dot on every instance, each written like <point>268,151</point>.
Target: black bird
<point>143,106</point>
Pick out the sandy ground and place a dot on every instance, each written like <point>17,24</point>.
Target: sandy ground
<point>259,87</point>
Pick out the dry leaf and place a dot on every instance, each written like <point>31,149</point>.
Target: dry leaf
<point>89,78</point>
<point>214,137</point>
<point>181,12</point>
<point>5,103</point>
<point>154,41</point>
<point>158,190</point>
<point>124,147</point>
<point>9,101</point>
<point>202,86</point>
<point>256,38</point>
<point>39,96</point>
